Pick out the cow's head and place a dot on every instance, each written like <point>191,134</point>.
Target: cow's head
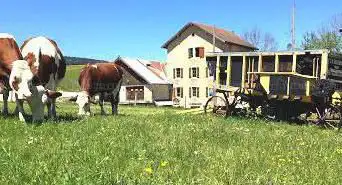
<point>21,79</point>
<point>83,100</point>
<point>37,101</point>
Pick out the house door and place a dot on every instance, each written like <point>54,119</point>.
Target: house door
<point>136,91</point>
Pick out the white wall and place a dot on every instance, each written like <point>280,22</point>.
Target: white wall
<point>178,58</point>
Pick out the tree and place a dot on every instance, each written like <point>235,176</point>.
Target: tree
<point>336,22</point>
<point>263,41</point>
<point>327,37</point>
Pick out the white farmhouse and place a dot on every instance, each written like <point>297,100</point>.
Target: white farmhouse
<point>186,66</point>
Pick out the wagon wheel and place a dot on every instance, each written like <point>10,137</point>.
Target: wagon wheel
<point>216,105</point>
<point>330,117</point>
<point>268,110</point>
<point>242,101</point>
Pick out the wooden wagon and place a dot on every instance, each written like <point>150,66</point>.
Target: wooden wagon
<point>285,85</point>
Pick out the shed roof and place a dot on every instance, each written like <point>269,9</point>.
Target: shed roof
<point>220,34</point>
<point>143,69</point>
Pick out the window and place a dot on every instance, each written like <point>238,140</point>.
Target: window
<point>194,92</point>
<point>177,73</point>
<point>190,52</point>
<point>135,93</point>
<point>199,52</point>
<point>208,92</point>
<point>179,92</point>
<point>194,72</point>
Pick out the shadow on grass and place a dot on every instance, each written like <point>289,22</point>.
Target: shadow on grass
<point>66,118</point>
<point>61,119</point>
<point>294,122</point>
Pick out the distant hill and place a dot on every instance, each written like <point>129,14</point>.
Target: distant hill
<point>81,61</point>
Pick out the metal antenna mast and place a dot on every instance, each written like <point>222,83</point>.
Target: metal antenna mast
<point>293,27</point>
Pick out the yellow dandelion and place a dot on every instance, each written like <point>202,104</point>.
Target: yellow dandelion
<point>339,151</point>
<point>148,170</point>
<point>163,163</point>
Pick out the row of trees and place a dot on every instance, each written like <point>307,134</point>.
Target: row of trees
<point>329,37</point>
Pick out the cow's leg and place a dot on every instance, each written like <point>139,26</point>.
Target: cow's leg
<point>5,100</point>
<point>115,102</point>
<point>112,101</point>
<point>101,103</point>
<point>20,108</point>
<point>115,98</point>
<point>53,108</point>
<point>16,110</point>
<point>48,106</point>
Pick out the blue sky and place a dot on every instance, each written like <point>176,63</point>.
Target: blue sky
<point>106,29</point>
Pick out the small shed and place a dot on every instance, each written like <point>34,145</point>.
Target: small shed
<point>144,82</point>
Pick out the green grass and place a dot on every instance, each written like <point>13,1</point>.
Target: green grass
<point>70,81</point>
<point>147,145</point>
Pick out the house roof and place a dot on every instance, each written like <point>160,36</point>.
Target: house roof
<point>220,34</point>
<point>144,69</point>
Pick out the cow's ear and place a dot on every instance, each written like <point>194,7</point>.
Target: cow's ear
<point>74,98</point>
<point>93,100</point>
<point>53,94</point>
<point>15,83</point>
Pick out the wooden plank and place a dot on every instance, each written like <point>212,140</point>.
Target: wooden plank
<point>294,63</point>
<point>260,64</point>
<point>243,78</point>
<point>276,64</point>
<point>228,71</point>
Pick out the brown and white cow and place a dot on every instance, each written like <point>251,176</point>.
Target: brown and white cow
<point>47,64</point>
<point>20,80</point>
<point>9,52</point>
<point>103,79</point>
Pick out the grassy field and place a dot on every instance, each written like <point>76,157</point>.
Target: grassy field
<point>70,81</point>
<point>147,145</point>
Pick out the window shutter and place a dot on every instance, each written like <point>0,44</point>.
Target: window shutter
<point>206,92</point>
<point>206,72</point>
<point>197,93</point>
<point>201,52</point>
<point>181,90</point>
<point>181,70</point>
<point>197,72</point>
<point>189,72</point>
<point>190,53</point>
<point>189,92</point>
<point>174,73</point>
